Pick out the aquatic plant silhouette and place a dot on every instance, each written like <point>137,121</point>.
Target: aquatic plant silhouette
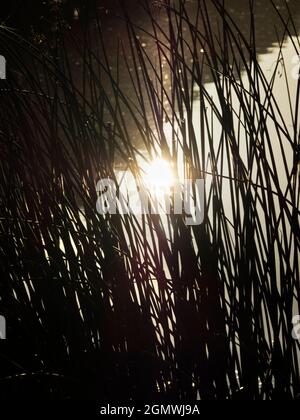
<point>95,307</point>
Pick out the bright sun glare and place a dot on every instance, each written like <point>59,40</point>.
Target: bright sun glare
<point>158,174</point>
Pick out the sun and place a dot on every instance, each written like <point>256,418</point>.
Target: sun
<point>158,175</point>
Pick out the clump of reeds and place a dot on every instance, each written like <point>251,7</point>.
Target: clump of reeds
<point>117,307</point>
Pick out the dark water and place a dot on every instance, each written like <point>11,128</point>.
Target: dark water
<point>30,16</point>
